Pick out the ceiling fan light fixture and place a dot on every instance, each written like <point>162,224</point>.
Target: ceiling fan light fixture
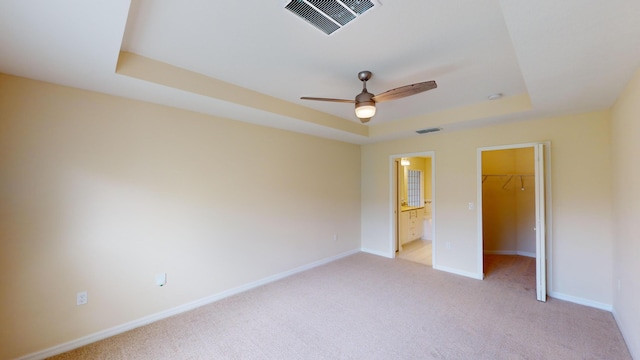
<point>365,110</point>
<point>366,101</point>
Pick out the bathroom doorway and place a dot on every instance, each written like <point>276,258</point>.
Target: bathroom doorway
<point>413,207</point>
<point>512,216</point>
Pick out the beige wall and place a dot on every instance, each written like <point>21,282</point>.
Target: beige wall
<point>100,193</point>
<point>581,247</point>
<point>508,201</point>
<point>626,206</point>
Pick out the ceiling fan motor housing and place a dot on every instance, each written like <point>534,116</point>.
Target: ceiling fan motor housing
<point>365,98</point>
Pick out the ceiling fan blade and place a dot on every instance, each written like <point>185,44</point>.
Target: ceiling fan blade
<point>327,99</point>
<point>405,91</point>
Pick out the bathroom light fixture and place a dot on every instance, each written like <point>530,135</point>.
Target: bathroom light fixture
<point>405,162</point>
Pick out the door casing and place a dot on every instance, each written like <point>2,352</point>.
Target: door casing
<point>543,199</point>
<point>395,211</point>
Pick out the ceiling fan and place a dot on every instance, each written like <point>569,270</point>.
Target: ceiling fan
<point>366,101</point>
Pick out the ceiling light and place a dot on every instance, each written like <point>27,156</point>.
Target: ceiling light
<point>365,110</point>
<point>405,162</point>
<point>494,96</point>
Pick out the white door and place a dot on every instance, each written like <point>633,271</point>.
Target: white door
<point>397,207</point>
<point>541,259</point>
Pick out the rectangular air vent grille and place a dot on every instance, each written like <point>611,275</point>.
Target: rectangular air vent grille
<point>425,131</point>
<point>333,9</point>
<point>358,6</point>
<point>314,17</point>
<point>329,15</point>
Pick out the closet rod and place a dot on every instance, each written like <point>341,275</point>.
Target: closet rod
<point>508,174</point>
<point>485,176</point>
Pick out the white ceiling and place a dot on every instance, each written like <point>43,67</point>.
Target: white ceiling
<point>567,56</point>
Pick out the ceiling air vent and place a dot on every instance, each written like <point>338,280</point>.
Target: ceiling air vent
<point>429,130</point>
<point>329,15</point>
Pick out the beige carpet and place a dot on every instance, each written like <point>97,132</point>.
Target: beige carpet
<point>368,307</point>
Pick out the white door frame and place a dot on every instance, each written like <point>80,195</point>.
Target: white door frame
<point>394,211</point>
<point>546,281</point>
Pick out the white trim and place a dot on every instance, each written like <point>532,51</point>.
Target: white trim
<point>541,224</point>
<point>479,220</point>
<point>510,252</point>
<point>472,275</point>
<point>547,201</point>
<point>393,201</point>
<point>549,215</point>
<point>581,301</point>
<point>101,335</point>
<point>500,252</point>
<point>378,253</point>
<point>513,146</point>
<point>526,253</point>
<point>479,207</point>
<point>620,321</point>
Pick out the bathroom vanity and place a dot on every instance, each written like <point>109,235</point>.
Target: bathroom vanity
<point>411,224</point>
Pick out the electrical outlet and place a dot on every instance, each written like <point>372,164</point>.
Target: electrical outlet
<point>335,237</point>
<point>81,298</point>
<point>448,245</point>
<point>161,279</point>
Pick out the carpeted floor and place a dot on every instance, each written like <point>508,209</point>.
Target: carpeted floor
<point>368,307</point>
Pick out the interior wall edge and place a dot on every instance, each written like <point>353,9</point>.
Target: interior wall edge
<point>102,192</point>
<point>104,334</point>
<point>469,274</point>
<point>377,252</point>
<point>580,301</point>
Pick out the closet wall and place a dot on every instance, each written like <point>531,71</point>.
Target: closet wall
<point>508,202</point>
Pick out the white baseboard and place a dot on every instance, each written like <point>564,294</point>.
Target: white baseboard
<point>527,254</point>
<point>632,342</point>
<point>379,253</point>
<point>581,301</point>
<point>510,252</point>
<point>459,272</point>
<point>101,335</point>
<point>437,267</point>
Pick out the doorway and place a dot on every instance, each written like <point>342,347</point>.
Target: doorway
<point>414,207</point>
<point>512,215</point>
